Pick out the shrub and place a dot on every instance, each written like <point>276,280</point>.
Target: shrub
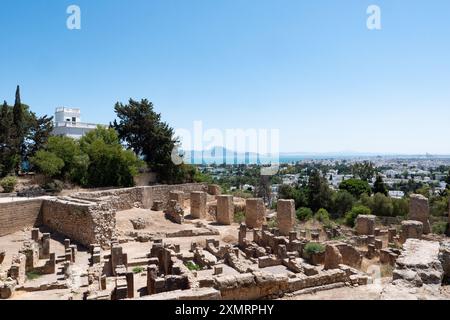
<point>382,205</point>
<point>138,269</point>
<point>54,186</point>
<point>32,275</point>
<point>272,223</point>
<point>304,214</point>
<point>439,227</point>
<point>192,266</point>
<point>314,247</point>
<point>8,184</point>
<point>351,216</point>
<point>239,217</point>
<point>322,216</point>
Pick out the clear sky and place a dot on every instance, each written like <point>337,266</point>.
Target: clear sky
<point>309,68</point>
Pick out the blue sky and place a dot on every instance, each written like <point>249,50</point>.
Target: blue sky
<point>309,68</point>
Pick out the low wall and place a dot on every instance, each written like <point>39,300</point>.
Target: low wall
<point>128,198</point>
<point>81,222</point>
<point>161,192</point>
<point>19,214</point>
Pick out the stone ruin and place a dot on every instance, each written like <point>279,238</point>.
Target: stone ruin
<point>419,211</point>
<point>260,263</point>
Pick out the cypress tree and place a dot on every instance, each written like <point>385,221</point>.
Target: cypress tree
<point>19,125</point>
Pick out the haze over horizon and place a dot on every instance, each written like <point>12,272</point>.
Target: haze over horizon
<point>310,69</point>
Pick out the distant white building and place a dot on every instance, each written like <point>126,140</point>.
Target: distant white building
<point>68,123</point>
<point>396,194</point>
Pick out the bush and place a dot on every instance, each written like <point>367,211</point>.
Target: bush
<point>32,275</point>
<point>351,216</point>
<point>272,223</point>
<point>382,205</point>
<point>54,186</point>
<point>239,217</point>
<point>314,248</point>
<point>401,207</point>
<point>8,184</point>
<point>439,227</point>
<point>322,216</point>
<point>192,266</point>
<point>138,269</point>
<point>304,214</point>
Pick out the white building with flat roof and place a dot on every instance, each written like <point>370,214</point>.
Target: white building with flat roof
<point>68,123</point>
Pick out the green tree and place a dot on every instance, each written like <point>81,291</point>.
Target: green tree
<point>9,158</point>
<point>47,163</point>
<point>19,123</point>
<point>343,201</point>
<point>39,132</point>
<point>379,186</point>
<point>400,207</point>
<point>357,210</point>
<point>69,151</point>
<point>356,187</point>
<point>364,170</point>
<point>109,163</point>
<point>319,194</point>
<point>142,129</point>
<point>299,195</point>
<point>382,205</point>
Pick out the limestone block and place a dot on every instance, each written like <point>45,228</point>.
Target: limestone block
<point>411,229</point>
<point>198,204</point>
<point>225,209</point>
<point>255,213</point>
<point>333,257</point>
<point>286,216</point>
<point>365,225</point>
<point>419,210</point>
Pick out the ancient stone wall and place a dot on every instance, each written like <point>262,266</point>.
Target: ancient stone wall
<point>128,198</point>
<point>17,215</point>
<point>86,223</point>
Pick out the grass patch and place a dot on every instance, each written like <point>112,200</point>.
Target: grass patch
<point>32,275</point>
<point>314,248</point>
<point>192,266</point>
<point>138,270</point>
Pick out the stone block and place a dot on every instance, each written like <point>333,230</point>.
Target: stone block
<point>225,209</point>
<point>286,216</point>
<point>419,210</point>
<point>255,213</point>
<point>198,204</point>
<point>365,225</point>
